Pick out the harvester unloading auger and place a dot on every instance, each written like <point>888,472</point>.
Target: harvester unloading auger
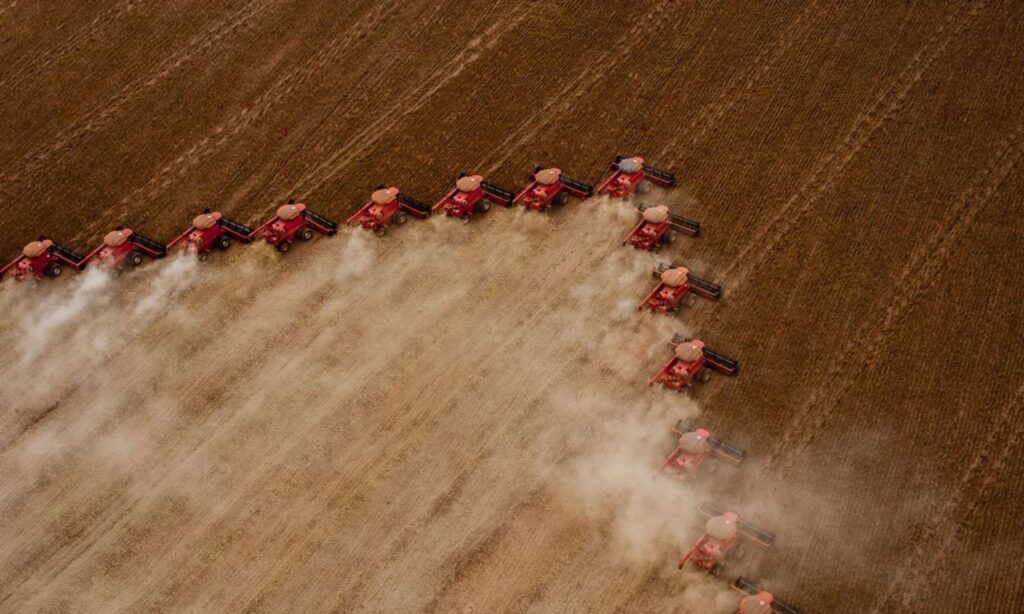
<point>472,194</point>
<point>631,175</point>
<point>43,257</point>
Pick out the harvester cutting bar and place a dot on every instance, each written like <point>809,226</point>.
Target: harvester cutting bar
<point>703,287</point>
<point>413,206</point>
<point>745,586</point>
<point>731,452</point>
<point>151,247</point>
<point>721,362</point>
<point>658,176</point>
<point>319,222</point>
<point>71,258</point>
<point>498,195</point>
<point>576,188</point>
<point>683,224</point>
<point>236,229</point>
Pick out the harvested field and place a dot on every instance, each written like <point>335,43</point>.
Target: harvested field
<point>456,417</point>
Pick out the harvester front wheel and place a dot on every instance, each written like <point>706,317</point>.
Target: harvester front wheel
<point>54,269</point>
<point>704,376</point>
<point>483,205</point>
<point>643,187</point>
<point>134,258</point>
<point>222,243</point>
<point>398,218</point>
<point>669,237</point>
<point>561,198</point>
<point>305,233</point>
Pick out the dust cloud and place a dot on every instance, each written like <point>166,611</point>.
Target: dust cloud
<point>258,385</point>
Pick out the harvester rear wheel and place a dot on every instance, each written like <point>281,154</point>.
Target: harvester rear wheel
<point>222,243</point>
<point>483,205</point>
<point>398,218</point>
<point>134,258</point>
<point>380,231</point>
<point>54,269</point>
<point>283,246</point>
<point>305,233</point>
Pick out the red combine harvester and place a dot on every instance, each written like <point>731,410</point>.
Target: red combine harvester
<point>472,194</point>
<point>658,226</point>
<point>293,221</point>
<point>633,175</point>
<point>722,534</point>
<point>677,286</point>
<point>549,187</point>
<point>124,246</point>
<point>756,601</point>
<point>691,361</point>
<point>388,206</point>
<point>42,258</point>
<point>695,448</point>
<point>209,230</point>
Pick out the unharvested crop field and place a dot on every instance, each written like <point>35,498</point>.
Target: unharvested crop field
<point>455,417</point>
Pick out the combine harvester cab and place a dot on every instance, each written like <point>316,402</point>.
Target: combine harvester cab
<point>293,221</point>
<point>634,175</point>
<point>550,187</point>
<point>696,449</point>
<point>210,230</point>
<point>124,246</point>
<point>723,534</point>
<point>658,226</point>
<point>691,361</point>
<point>42,258</point>
<point>472,194</point>
<point>388,206</point>
<point>757,601</point>
<point>677,286</point>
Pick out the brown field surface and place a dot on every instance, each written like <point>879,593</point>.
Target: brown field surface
<point>455,417</point>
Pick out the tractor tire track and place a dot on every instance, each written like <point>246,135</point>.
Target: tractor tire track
<point>771,236</point>
<point>49,154</point>
<point>579,86</point>
<point>210,144</point>
<point>738,90</point>
<point>939,537</point>
<point>362,141</point>
<point>923,266</point>
<point>72,44</point>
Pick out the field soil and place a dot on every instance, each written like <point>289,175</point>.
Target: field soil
<point>456,417</point>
